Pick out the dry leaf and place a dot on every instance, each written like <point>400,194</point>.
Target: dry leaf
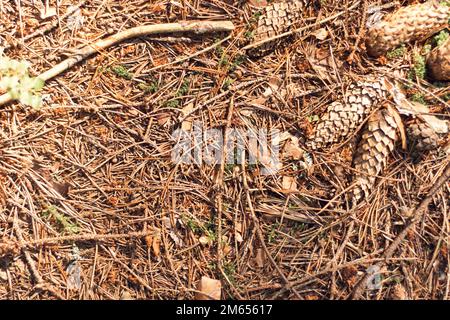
<point>399,292</point>
<point>126,296</point>
<point>226,249</point>
<point>238,237</point>
<point>291,148</point>
<point>401,128</point>
<point>156,245</point>
<point>148,240</point>
<point>187,124</point>
<point>163,119</point>
<point>320,34</point>
<point>323,63</point>
<point>176,239</point>
<point>210,289</point>
<point>3,275</point>
<point>47,12</point>
<point>421,111</point>
<point>274,85</point>
<point>204,240</point>
<point>158,8</point>
<point>32,23</point>
<point>246,112</point>
<point>289,184</point>
<point>438,125</point>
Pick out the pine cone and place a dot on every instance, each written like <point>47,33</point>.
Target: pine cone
<point>342,119</point>
<point>439,62</point>
<point>407,24</point>
<point>376,144</point>
<point>276,19</point>
<point>421,137</point>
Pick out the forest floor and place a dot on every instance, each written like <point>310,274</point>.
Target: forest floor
<point>94,169</point>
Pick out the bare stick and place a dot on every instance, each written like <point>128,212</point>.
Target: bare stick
<point>82,237</point>
<point>197,27</point>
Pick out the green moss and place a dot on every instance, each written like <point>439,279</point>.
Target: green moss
<point>223,62</point>
<point>313,118</point>
<point>122,72</point>
<point>396,53</point>
<point>419,68</point>
<point>441,37</point>
<point>151,87</point>
<point>184,88</point>
<point>273,233</point>
<point>219,50</point>
<point>63,223</point>
<point>230,270</point>
<point>182,91</point>
<point>238,60</point>
<point>227,83</point>
<point>419,97</point>
<point>249,35</point>
<point>256,16</point>
<point>173,103</point>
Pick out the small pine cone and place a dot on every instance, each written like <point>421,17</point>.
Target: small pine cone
<point>439,62</point>
<point>342,119</point>
<point>376,144</point>
<point>276,19</point>
<point>409,23</point>
<point>421,137</point>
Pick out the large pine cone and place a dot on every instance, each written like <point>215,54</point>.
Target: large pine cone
<point>409,23</point>
<point>439,62</point>
<point>377,142</point>
<point>341,119</point>
<point>276,19</point>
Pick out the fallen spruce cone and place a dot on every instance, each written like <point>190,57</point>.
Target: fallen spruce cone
<point>275,19</point>
<point>408,24</point>
<point>341,119</point>
<point>421,137</point>
<point>439,62</point>
<point>377,142</point>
